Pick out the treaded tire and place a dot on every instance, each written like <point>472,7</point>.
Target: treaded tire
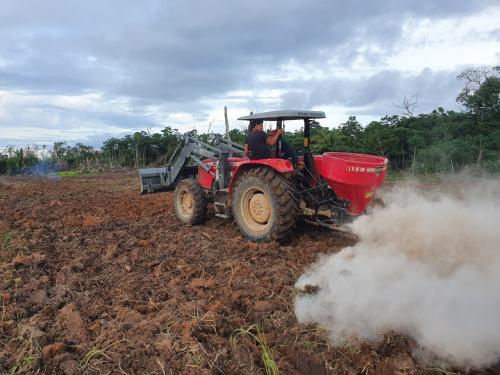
<point>189,202</point>
<point>264,205</point>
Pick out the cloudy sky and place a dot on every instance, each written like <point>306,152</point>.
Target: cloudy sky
<point>83,71</point>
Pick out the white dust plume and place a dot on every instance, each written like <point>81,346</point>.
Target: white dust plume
<point>426,266</point>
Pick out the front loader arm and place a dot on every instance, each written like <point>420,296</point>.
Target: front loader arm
<point>165,178</point>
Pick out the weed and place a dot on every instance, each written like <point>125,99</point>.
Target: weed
<point>22,365</point>
<point>196,359</point>
<point>166,328</point>
<point>26,358</point>
<point>92,353</point>
<point>267,354</point>
<point>95,353</point>
<point>7,237</point>
<point>351,347</point>
<point>202,320</point>
<point>214,359</point>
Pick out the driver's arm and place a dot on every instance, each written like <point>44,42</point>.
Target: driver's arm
<point>271,140</point>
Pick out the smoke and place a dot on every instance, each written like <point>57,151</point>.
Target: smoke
<point>426,265</point>
<point>44,168</point>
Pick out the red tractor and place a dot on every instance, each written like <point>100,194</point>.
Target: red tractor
<point>267,197</point>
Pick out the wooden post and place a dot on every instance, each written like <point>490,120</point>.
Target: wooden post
<point>227,123</point>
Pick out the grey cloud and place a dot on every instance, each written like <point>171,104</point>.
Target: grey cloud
<point>94,140</point>
<point>173,55</point>
<point>75,116</point>
<point>185,50</point>
<point>295,99</point>
<point>495,34</point>
<point>379,94</point>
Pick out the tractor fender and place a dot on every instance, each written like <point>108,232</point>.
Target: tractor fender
<point>282,166</point>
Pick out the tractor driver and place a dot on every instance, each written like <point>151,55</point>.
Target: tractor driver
<point>257,141</point>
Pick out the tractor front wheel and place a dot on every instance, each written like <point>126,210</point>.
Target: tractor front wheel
<point>264,205</point>
<point>189,202</point>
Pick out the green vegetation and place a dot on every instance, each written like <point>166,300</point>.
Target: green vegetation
<point>7,237</point>
<point>26,357</point>
<point>74,173</point>
<point>437,142</point>
<point>267,354</point>
<point>92,353</point>
<point>16,160</point>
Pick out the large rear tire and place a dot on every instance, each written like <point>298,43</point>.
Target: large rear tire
<point>189,202</point>
<point>264,205</point>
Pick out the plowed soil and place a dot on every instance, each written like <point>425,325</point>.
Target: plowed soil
<point>95,278</point>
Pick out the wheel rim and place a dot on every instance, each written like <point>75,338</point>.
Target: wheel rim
<point>256,208</point>
<point>185,203</point>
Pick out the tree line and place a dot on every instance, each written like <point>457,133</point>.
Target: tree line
<point>436,142</point>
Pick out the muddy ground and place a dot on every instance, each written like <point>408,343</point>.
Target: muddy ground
<point>95,278</point>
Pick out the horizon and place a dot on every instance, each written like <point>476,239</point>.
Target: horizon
<point>43,149</point>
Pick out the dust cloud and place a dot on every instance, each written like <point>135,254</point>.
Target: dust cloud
<point>426,265</point>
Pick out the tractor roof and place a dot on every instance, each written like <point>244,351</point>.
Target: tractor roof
<point>291,114</point>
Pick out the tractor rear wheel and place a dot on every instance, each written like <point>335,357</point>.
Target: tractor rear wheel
<point>264,205</point>
<point>189,202</point>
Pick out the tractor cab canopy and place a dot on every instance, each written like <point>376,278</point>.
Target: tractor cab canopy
<point>284,115</point>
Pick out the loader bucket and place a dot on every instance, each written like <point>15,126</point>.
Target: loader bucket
<point>353,177</point>
<point>152,179</point>
<point>155,180</point>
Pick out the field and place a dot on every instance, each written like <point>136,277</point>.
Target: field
<point>95,278</point>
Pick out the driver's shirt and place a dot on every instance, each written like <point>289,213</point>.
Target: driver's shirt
<point>257,145</point>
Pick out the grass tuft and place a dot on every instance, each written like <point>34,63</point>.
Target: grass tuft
<point>267,354</point>
<point>7,237</point>
<point>26,358</point>
<point>95,353</point>
<point>92,353</point>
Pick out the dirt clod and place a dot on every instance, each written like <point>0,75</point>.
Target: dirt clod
<point>38,297</point>
<point>53,349</point>
<point>164,344</point>
<point>73,323</point>
<point>26,260</point>
<point>202,283</point>
<point>31,331</point>
<point>69,367</point>
<point>55,202</point>
<point>6,297</point>
<point>92,220</point>
<point>263,306</point>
